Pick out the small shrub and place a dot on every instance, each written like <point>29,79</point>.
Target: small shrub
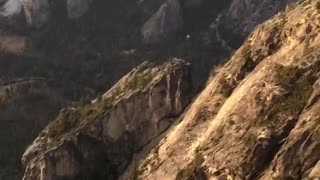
<point>74,119</point>
<point>299,87</point>
<point>297,99</point>
<point>285,75</point>
<point>250,139</point>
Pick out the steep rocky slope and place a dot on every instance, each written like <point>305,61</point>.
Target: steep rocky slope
<point>97,141</point>
<point>258,116</point>
<point>82,47</point>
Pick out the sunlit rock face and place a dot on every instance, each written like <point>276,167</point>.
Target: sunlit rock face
<point>97,141</point>
<point>258,116</point>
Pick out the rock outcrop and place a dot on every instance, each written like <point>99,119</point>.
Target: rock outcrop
<point>258,116</point>
<point>39,12</point>
<point>164,24</point>
<point>98,140</point>
<point>11,8</point>
<point>84,46</point>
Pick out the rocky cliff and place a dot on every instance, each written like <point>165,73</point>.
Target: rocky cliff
<point>97,141</point>
<point>82,47</point>
<point>258,116</point>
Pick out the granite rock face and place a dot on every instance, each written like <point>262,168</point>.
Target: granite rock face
<point>258,116</point>
<point>164,24</point>
<point>97,141</point>
<point>86,46</point>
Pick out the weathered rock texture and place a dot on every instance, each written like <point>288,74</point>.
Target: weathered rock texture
<point>83,56</point>
<point>258,116</point>
<point>37,12</point>
<point>164,24</point>
<point>97,141</point>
